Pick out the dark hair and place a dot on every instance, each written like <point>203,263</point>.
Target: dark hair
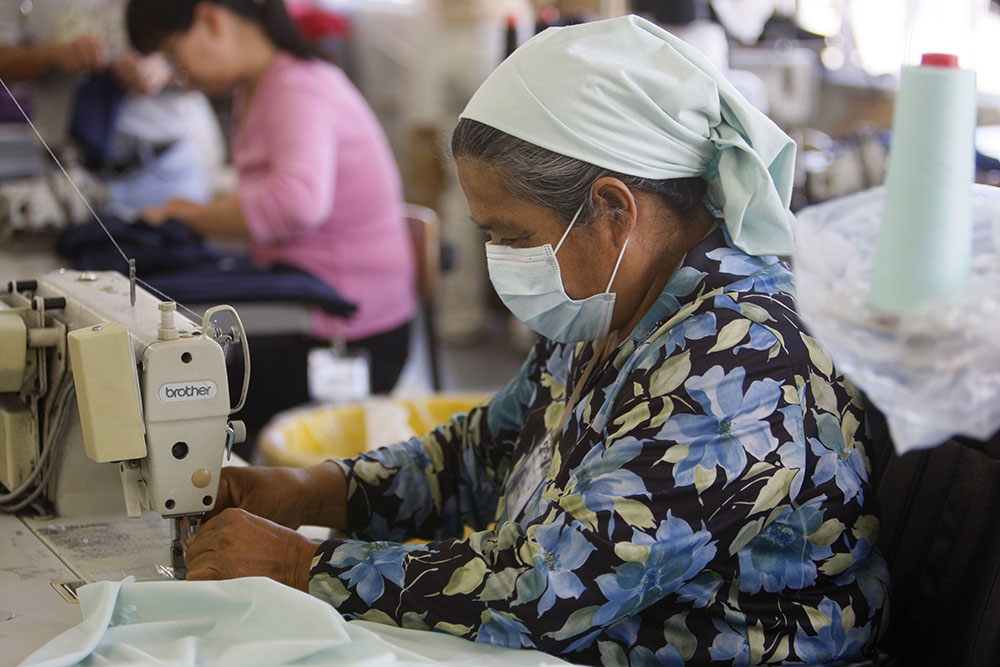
<point>559,182</point>
<point>152,21</point>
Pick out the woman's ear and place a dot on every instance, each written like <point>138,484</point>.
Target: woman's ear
<point>210,15</point>
<point>614,198</point>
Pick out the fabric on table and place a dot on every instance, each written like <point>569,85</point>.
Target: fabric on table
<point>241,622</point>
<point>626,95</point>
<point>168,247</point>
<point>179,263</point>
<point>708,501</point>
<point>250,622</point>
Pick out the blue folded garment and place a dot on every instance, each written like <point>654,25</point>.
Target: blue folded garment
<point>94,123</point>
<point>179,263</point>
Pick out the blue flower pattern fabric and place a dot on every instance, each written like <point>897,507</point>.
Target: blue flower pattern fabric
<point>707,501</point>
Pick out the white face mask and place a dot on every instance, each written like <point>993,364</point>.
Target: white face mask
<point>529,282</point>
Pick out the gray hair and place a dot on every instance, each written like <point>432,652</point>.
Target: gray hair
<point>562,183</point>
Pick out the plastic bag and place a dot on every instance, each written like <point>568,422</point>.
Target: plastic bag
<point>935,371</point>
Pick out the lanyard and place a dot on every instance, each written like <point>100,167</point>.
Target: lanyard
<point>529,476</point>
<point>608,343</point>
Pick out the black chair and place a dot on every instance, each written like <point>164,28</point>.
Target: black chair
<point>940,533</point>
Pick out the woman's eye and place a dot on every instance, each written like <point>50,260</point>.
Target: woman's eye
<point>514,240</point>
<point>502,240</point>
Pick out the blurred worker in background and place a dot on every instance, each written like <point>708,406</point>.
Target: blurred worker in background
<point>317,185</point>
<point>141,135</point>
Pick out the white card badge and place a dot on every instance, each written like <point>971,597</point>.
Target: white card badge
<point>528,478</point>
<point>337,377</point>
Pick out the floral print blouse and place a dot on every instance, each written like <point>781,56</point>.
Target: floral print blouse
<point>708,499</point>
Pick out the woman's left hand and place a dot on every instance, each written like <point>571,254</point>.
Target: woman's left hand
<point>236,543</point>
<point>180,209</point>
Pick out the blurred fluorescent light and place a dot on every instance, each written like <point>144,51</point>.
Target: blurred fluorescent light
<point>821,17</point>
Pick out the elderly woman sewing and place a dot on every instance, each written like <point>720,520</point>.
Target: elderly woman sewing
<point>678,471</point>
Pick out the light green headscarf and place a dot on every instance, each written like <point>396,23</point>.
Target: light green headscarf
<point>626,95</point>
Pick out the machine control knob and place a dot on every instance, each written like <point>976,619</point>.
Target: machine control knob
<point>201,478</point>
<point>22,286</point>
<point>236,432</point>
<point>48,303</point>
<point>239,431</point>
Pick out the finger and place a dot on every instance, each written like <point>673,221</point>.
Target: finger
<point>87,54</point>
<point>204,573</point>
<point>223,497</point>
<point>197,548</point>
<point>95,50</point>
<point>208,538</point>
<point>123,74</point>
<point>144,84</point>
<point>229,488</point>
<point>72,59</point>
<point>92,59</point>
<point>152,216</point>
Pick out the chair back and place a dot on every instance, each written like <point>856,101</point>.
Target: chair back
<point>940,533</point>
<point>425,234</point>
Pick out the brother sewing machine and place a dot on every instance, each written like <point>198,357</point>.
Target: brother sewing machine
<point>150,424</point>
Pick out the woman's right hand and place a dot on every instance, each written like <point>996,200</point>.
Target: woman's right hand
<point>287,496</point>
<point>145,75</point>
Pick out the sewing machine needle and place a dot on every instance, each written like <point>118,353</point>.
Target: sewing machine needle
<point>131,281</point>
<point>177,547</point>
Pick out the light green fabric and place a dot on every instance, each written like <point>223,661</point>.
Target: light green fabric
<point>250,622</point>
<point>242,622</point>
<point>628,96</point>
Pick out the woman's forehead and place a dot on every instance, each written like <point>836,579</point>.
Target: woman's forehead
<point>478,174</point>
<point>492,206</point>
<point>483,188</point>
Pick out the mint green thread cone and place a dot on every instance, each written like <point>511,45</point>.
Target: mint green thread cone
<point>925,241</point>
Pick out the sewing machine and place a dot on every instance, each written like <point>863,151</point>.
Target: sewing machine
<point>34,196</point>
<point>150,424</point>
<point>151,418</point>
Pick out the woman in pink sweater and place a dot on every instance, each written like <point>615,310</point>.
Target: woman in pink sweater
<point>317,185</point>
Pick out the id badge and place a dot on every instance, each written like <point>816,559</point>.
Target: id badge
<point>337,377</point>
<point>528,478</point>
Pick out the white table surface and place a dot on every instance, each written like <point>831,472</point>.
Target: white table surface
<point>31,611</point>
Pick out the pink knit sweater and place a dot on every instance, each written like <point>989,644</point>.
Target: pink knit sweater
<point>319,190</point>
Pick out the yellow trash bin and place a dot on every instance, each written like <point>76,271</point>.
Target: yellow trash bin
<point>308,435</point>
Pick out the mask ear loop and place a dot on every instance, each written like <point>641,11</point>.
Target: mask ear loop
<point>614,273</point>
<point>566,233</point>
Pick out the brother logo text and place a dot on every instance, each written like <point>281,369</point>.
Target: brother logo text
<point>187,391</point>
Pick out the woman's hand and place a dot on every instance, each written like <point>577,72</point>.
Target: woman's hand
<point>235,543</point>
<point>251,530</point>
<point>145,75</point>
<point>180,209</point>
<point>220,217</point>
<point>290,497</point>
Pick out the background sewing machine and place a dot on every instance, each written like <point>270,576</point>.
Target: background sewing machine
<point>147,429</point>
<point>34,195</point>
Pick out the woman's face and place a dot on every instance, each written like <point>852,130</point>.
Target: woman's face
<point>206,52</point>
<point>587,256</point>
